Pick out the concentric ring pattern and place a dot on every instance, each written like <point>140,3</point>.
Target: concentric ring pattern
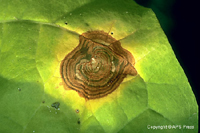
<point>97,66</point>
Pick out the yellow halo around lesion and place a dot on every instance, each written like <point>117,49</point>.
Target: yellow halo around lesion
<point>56,88</point>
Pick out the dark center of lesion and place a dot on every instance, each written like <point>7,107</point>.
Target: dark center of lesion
<point>94,65</point>
<point>94,69</point>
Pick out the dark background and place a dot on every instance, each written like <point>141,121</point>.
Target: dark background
<point>180,22</point>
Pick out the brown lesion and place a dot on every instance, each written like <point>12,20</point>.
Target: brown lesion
<point>97,66</point>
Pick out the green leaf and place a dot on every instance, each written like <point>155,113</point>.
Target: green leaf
<point>34,39</point>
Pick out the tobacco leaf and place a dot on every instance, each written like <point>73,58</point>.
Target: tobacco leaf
<point>35,36</point>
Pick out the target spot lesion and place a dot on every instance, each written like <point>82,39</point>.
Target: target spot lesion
<point>97,66</point>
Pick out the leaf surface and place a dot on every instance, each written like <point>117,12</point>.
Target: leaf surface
<point>34,39</point>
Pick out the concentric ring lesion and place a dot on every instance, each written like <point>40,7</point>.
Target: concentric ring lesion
<point>97,66</point>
